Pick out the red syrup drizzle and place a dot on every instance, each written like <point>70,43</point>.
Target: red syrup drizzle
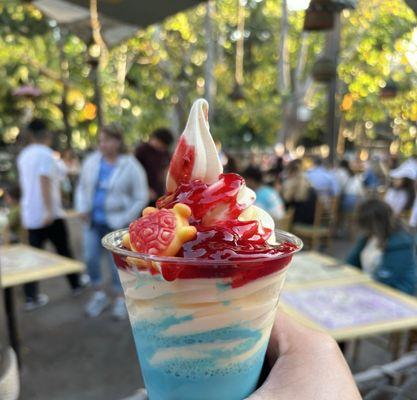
<point>182,162</point>
<point>221,235</point>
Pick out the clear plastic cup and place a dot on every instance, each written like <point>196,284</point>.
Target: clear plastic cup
<point>201,327</point>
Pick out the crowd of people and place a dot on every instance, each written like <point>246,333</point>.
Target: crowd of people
<point>108,190</point>
<point>111,186</point>
<point>381,202</point>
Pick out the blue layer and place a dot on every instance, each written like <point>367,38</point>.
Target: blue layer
<point>198,379</point>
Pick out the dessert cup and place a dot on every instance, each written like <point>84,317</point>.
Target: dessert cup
<point>201,327</point>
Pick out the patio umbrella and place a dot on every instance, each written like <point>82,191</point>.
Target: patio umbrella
<point>119,19</point>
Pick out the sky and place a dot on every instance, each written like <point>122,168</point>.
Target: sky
<point>295,5</point>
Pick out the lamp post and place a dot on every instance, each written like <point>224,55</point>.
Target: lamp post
<point>333,42</point>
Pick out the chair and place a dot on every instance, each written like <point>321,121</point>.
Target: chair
<point>322,228</point>
<point>285,223</point>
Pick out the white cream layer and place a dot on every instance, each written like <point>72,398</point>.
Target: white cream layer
<point>210,303</point>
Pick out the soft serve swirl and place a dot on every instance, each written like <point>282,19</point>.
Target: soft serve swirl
<point>222,204</point>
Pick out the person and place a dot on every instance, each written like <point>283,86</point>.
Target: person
<point>266,197</point>
<point>72,169</point>
<point>305,364</point>
<point>111,192</point>
<point>231,165</point>
<point>71,161</point>
<point>410,163</point>
<point>386,250</point>
<point>413,217</point>
<point>375,175</point>
<point>278,166</point>
<point>401,193</point>
<point>41,204</point>
<point>322,180</point>
<point>12,200</point>
<point>298,193</point>
<point>155,156</point>
<point>350,185</point>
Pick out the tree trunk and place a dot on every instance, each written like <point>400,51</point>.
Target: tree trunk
<point>209,79</point>
<point>332,49</point>
<point>97,65</point>
<point>283,58</point>
<point>240,43</point>
<point>95,76</point>
<point>64,78</point>
<point>121,75</point>
<point>284,82</point>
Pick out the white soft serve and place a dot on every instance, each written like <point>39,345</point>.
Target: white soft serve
<point>207,166</point>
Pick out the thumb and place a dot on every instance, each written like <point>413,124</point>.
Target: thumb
<point>310,365</point>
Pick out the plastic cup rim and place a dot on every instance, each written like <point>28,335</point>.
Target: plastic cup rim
<point>108,242</point>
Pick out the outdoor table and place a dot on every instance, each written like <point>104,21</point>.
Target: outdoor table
<point>21,264</point>
<point>351,310</point>
<point>310,267</point>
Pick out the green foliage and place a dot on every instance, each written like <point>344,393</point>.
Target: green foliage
<point>156,75</point>
<point>376,40</point>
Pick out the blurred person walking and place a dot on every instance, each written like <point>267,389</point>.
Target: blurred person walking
<point>72,170</point>
<point>111,192</point>
<point>375,175</point>
<point>41,204</point>
<point>351,188</point>
<point>323,181</point>
<point>386,251</point>
<point>155,156</point>
<point>298,193</point>
<point>266,197</point>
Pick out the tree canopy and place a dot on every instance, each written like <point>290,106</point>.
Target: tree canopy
<point>152,78</point>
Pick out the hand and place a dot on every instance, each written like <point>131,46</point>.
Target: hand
<point>307,365</point>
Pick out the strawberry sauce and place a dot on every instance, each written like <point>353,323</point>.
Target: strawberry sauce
<point>182,162</point>
<point>220,234</point>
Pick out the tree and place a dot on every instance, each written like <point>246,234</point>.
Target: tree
<point>152,79</point>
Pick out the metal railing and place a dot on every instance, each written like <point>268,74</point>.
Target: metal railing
<point>396,380</point>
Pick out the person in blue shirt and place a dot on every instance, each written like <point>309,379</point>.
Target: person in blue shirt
<point>374,175</point>
<point>267,197</point>
<point>386,251</point>
<point>323,181</point>
<point>111,192</point>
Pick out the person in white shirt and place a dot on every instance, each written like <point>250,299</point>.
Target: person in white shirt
<point>41,208</point>
<point>400,196</point>
<point>352,191</point>
<point>323,181</point>
<point>111,193</point>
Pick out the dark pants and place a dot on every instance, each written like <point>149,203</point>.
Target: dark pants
<point>57,234</point>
